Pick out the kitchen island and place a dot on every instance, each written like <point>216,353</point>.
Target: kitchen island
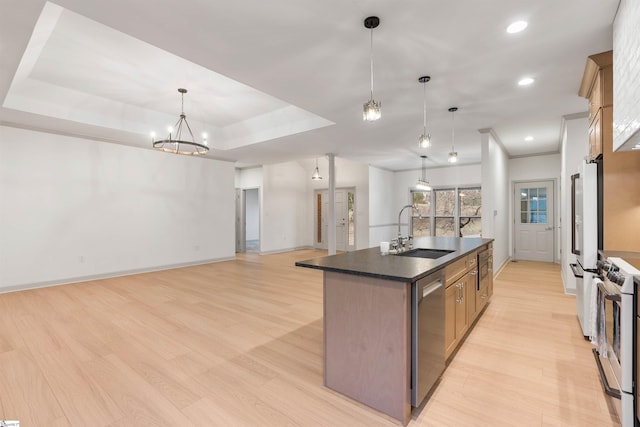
<point>368,327</point>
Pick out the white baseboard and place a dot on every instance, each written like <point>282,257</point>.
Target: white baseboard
<point>280,251</point>
<point>109,275</point>
<point>499,270</point>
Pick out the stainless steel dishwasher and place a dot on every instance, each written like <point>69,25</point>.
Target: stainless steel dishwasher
<point>427,334</point>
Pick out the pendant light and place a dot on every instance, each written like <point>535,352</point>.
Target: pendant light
<point>424,140</point>
<point>179,142</point>
<point>423,182</point>
<point>316,174</point>
<point>371,108</point>
<point>453,155</point>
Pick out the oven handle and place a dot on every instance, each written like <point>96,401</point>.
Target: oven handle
<point>576,272</point>
<point>603,379</point>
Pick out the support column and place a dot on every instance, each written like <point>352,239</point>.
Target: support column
<point>331,214</point>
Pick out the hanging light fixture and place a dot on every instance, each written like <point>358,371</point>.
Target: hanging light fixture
<point>424,140</point>
<point>423,182</point>
<point>453,155</point>
<point>175,142</point>
<point>371,108</point>
<point>316,174</point>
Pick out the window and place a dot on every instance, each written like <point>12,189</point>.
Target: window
<point>470,212</point>
<point>421,222</point>
<point>454,212</point>
<point>445,212</point>
<point>533,205</point>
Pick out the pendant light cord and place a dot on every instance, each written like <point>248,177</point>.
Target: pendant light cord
<point>371,61</point>
<point>424,106</point>
<point>453,131</point>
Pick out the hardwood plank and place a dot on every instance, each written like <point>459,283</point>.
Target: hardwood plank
<point>25,394</point>
<point>83,401</point>
<point>240,343</point>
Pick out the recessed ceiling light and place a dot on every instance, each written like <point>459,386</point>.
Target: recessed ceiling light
<point>517,26</point>
<point>529,138</point>
<point>525,81</point>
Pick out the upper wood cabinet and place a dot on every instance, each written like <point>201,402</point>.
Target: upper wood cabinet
<point>620,170</point>
<point>597,87</point>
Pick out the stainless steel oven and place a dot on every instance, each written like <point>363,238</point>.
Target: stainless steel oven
<point>615,336</point>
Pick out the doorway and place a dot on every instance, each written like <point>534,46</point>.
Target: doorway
<point>345,212</point>
<point>248,220</point>
<point>534,230</point>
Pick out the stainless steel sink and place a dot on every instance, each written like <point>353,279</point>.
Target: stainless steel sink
<point>425,253</point>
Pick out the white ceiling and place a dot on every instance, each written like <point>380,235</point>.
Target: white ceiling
<point>286,79</point>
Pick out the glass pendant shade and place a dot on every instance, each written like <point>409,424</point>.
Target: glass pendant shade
<point>424,140</point>
<point>316,173</point>
<point>371,109</point>
<point>423,183</point>
<point>453,157</point>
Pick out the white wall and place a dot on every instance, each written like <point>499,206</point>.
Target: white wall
<point>575,137</point>
<point>249,178</point>
<point>348,174</point>
<point>536,168</point>
<point>287,200</point>
<point>73,209</point>
<point>382,213</point>
<point>495,198</point>
<point>285,208</point>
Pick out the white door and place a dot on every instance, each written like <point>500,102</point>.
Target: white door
<point>341,220</point>
<point>534,229</point>
<point>345,219</point>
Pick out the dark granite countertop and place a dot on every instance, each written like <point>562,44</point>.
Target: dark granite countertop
<point>370,262</point>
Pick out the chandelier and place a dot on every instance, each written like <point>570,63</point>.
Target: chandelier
<point>423,182</point>
<point>453,155</point>
<point>371,108</point>
<point>178,143</point>
<point>424,140</point>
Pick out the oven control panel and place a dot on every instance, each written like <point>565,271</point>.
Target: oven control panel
<point>619,272</point>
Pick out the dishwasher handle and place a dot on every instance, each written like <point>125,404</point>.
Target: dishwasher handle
<point>431,288</point>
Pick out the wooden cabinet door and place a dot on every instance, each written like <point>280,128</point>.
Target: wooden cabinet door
<point>482,296</point>
<point>595,102</point>
<point>451,302</point>
<point>462,316</point>
<point>595,136</point>
<point>472,286</point>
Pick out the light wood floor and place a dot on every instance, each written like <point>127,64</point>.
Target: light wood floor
<point>239,343</point>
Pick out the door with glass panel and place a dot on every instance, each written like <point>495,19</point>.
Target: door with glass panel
<point>345,219</point>
<point>534,221</point>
